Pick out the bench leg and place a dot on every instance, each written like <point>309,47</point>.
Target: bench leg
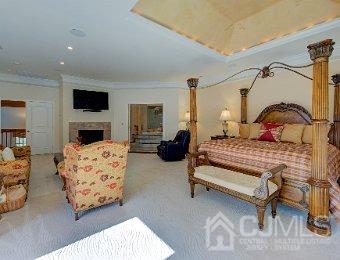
<point>260,216</point>
<point>192,189</point>
<point>274,206</point>
<point>207,188</point>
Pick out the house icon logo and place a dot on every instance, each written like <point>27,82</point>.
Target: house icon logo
<point>219,233</point>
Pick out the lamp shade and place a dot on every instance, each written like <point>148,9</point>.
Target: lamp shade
<point>225,115</point>
<point>187,116</point>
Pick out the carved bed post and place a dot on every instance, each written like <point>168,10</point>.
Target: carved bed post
<point>192,84</point>
<point>244,109</point>
<point>336,117</point>
<point>318,216</point>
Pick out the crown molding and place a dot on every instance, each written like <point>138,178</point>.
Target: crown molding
<point>4,77</point>
<point>87,82</point>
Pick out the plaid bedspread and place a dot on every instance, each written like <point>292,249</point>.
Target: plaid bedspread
<point>260,156</point>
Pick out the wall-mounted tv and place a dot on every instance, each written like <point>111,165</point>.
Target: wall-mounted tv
<point>90,100</point>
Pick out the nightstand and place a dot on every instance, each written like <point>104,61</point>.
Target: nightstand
<point>219,137</point>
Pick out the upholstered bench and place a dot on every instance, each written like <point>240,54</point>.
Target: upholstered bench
<point>259,191</point>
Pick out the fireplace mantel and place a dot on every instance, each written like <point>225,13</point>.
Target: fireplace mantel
<point>75,126</point>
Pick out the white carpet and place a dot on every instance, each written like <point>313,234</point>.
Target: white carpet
<point>128,240</point>
<point>158,194</point>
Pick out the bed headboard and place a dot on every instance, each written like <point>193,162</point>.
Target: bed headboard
<point>288,113</point>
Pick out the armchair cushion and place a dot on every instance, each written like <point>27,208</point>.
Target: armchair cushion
<point>8,155</point>
<point>14,167</point>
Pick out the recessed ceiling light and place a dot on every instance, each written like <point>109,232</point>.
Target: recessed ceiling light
<point>9,70</point>
<point>77,33</point>
<point>62,63</point>
<point>70,48</point>
<point>17,62</point>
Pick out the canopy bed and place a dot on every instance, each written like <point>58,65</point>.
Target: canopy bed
<point>310,180</point>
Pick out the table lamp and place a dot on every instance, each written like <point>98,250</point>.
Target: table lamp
<point>225,117</point>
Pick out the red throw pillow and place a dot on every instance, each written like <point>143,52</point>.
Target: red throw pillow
<point>270,132</point>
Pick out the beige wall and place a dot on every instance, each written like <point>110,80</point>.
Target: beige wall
<point>173,100</point>
<point>13,117</point>
<point>29,92</point>
<point>77,115</point>
<point>118,113</point>
<point>283,87</point>
<point>183,107</point>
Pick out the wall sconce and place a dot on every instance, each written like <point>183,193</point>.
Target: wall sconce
<point>225,116</point>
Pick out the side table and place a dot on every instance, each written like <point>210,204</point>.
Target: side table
<point>58,157</point>
<point>220,137</point>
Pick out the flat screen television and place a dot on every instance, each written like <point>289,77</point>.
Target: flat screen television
<point>90,100</point>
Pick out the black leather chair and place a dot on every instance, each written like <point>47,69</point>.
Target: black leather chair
<point>176,149</point>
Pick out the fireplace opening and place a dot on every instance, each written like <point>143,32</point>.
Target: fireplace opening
<point>90,136</point>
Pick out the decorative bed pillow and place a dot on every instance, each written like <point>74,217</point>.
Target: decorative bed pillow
<point>292,133</point>
<point>254,130</point>
<point>244,130</point>
<point>307,134</point>
<point>8,155</point>
<point>270,132</point>
<point>233,129</point>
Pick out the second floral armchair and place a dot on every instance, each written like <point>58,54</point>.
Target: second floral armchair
<point>94,174</point>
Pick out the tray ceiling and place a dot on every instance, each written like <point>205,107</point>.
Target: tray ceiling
<point>230,26</point>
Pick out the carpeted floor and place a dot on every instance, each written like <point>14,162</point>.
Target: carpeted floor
<point>157,193</point>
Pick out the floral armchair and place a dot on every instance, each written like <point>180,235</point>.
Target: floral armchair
<point>18,171</point>
<point>94,174</point>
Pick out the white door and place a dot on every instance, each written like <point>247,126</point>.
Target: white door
<point>39,126</point>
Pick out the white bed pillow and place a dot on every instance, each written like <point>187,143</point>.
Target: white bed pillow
<point>8,155</point>
<point>233,129</point>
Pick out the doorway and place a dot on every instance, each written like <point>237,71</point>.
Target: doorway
<point>27,123</point>
<point>13,123</point>
<point>145,127</point>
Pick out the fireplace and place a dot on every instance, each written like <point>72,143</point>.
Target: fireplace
<point>90,136</point>
<point>84,129</point>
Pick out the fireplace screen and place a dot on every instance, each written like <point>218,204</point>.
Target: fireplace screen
<point>90,136</point>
